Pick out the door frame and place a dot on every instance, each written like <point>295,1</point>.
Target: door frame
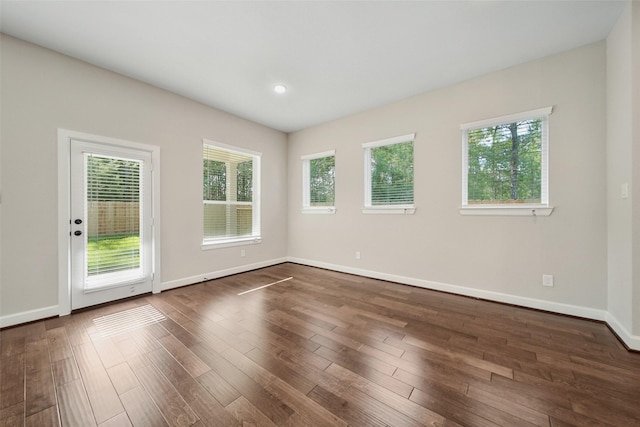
<point>64,209</point>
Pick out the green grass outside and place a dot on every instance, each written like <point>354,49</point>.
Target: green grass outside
<point>112,253</point>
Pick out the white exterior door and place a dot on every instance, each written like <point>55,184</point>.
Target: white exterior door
<point>111,222</point>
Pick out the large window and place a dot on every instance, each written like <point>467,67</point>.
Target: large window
<point>231,194</point>
<point>318,182</point>
<point>388,168</point>
<point>505,163</point>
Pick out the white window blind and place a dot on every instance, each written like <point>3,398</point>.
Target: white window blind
<point>230,194</point>
<point>113,215</point>
<point>318,182</point>
<point>389,173</point>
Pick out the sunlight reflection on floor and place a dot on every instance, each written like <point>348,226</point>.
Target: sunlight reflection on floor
<point>127,320</point>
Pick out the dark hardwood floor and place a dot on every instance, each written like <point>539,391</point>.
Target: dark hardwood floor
<point>321,349</point>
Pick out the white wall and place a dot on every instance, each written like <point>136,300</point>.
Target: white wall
<point>623,167</point>
<point>495,257</point>
<point>43,91</point>
<point>619,172</point>
<point>635,184</point>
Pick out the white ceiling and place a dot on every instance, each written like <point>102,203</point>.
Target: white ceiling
<point>336,57</point>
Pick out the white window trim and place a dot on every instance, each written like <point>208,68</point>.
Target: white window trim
<point>537,209</point>
<point>390,210</point>
<point>241,240</point>
<point>306,183</point>
<point>228,243</point>
<point>406,209</point>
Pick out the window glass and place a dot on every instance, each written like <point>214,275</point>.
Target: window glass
<point>392,174</point>
<point>388,172</point>
<point>506,161</point>
<point>318,182</point>
<point>231,212</point>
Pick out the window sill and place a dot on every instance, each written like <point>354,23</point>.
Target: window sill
<point>206,246</point>
<point>391,210</point>
<point>326,210</point>
<point>508,210</point>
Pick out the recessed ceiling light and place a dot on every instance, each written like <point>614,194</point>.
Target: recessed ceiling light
<point>280,89</point>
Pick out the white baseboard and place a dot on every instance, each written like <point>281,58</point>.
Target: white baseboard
<point>54,310</point>
<point>220,273</point>
<point>28,316</point>
<point>631,341</point>
<point>572,310</point>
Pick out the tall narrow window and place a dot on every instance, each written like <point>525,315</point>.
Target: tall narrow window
<point>388,169</point>
<point>231,193</point>
<point>505,164</point>
<point>318,182</point>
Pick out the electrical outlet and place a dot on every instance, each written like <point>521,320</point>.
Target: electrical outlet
<point>624,190</point>
<point>357,254</point>
<point>242,252</point>
<point>547,280</point>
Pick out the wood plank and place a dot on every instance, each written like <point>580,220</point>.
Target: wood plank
<point>178,332</point>
<point>205,406</point>
<point>397,402</point>
<point>65,370</point>
<point>12,341</point>
<point>452,407</point>
<point>344,409</point>
<point>59,346</point>
<point>248,415</point>
<point>366,371</point>
<point>270,334</point>
<point>335,351</point>
<point>141,409</point>
<point>282,390</point>
<point>170,368</point>
<point>373,316</point>
<point>272,407</point>
<point>219,388</point>
<point>47,417</point>
<point>123,378</point>
<point>281,370</point>
<point>182,354</point>
<point>529,395</point>
<point>11,380</point>
<point>317,313</point>
<point>12,416</point>
<point>378,409</point>
<point>40,389</point>
<point>172,406</point>
<point>308,370</point>
<point>120,420</point>
<point>508,405</point>
<point>307,412</point>
<point>458,358</point>
<point>76,331</point>
<point>103,397</point>
<point>75,409</point>
<point>108,352</point>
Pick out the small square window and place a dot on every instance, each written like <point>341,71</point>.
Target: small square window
<point>388,168</point>
<point>505,164</point>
